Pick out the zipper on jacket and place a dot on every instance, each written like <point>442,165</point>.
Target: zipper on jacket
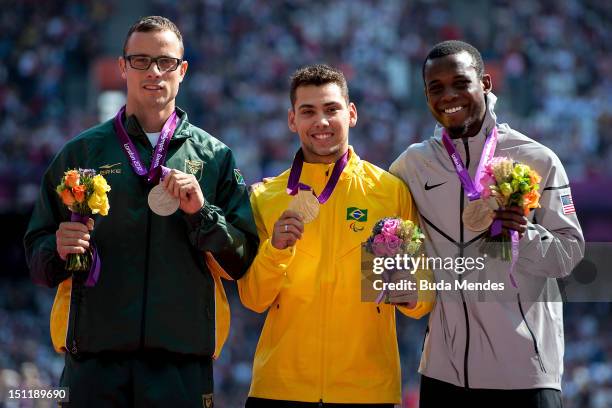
<point>76,292</point>
<point>146,280</point>
<point>533,338</point>
<point>323,318</point>
<point>461,239</point>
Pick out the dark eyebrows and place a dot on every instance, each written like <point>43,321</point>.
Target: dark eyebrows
<point>326,104</point>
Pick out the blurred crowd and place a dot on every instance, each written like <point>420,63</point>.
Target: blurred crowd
<point>550,61</point>
<point>551,67</point>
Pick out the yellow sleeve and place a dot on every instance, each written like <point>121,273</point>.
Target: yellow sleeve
<point>263,281</point>
<point>426,298</point>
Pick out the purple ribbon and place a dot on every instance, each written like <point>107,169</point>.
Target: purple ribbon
<point>471,187</point>
<point>496,229</point>
<point>157,171</point>
<point>386,277</point>
<point>294,185</point>
<point>94,270</point>
<point>515,253</point>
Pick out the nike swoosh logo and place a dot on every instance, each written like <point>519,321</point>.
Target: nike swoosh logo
<point>428,187</point>
<point>109,166</point>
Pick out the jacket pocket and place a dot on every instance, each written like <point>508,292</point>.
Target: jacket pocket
<point>532,334</point>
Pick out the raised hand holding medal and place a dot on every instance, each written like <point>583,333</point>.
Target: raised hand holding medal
<point>174,188</point>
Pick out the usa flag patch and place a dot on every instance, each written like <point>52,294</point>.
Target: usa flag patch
<point>568,204</point>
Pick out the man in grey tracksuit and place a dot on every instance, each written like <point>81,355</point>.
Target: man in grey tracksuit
<point>508,349</point>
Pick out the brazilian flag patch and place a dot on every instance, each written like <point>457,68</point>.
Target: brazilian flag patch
<point>356,214</point>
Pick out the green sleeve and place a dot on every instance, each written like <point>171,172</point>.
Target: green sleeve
<point>226,228</point>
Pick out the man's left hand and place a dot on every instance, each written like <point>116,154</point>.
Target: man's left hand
<point>186,188</point>
<point>512,218</point>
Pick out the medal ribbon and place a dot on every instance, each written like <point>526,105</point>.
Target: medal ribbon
<point>294,185</point>
<point>157,171</point>
<point>94,270</point>
<point>471,187</point>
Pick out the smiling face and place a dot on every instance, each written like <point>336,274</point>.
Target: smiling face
<point>455,94</point>
<point>151,89</point>
<point>322,117</point>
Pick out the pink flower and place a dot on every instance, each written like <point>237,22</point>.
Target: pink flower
<point>485,181</point>
<point>382,245</point>
<point>390,227</point>
<point>379,239</point>
<point>393,244</point>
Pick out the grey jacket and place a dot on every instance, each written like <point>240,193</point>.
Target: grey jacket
<point>510,339</point>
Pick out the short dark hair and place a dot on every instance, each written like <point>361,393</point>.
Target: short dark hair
<point>455,47</point>
<point>153,23</point>
<point>318,74</point>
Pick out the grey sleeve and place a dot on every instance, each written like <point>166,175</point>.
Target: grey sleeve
<point>553,244</point>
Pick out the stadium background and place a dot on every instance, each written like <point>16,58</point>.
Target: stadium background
<point>551,67</point>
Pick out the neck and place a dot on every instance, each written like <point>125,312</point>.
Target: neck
<point>152,121</point>
<point>466,131</point>
<point>329,159</point>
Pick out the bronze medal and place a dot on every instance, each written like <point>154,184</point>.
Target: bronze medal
<point>306,204</point>
<point>477,216</point>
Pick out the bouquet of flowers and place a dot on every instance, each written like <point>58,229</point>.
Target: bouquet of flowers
<point>507,183</point>
<point>392,236</point>
<point>84,193</point>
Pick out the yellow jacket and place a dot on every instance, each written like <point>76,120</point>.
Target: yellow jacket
<point>320,342</point>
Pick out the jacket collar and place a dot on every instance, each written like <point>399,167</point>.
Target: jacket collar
<point>489,122</point>
<point>351,166</point>
<point>135,130</point>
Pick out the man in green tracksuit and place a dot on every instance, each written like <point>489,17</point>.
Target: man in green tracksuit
<point>144,333</point>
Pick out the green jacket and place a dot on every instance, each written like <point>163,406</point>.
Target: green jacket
<point>155,290</point>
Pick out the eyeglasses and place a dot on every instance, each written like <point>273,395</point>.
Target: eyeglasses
<point>143,62</point>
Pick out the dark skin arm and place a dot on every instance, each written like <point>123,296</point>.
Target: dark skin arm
<point>512,218</point>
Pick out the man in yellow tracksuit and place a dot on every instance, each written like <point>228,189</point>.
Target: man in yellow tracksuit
<point>321,345</point>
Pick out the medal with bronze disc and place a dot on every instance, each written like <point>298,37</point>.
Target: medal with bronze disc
<point>477,216</point>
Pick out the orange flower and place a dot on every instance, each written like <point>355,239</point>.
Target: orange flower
<point>71,178</point>
<point>531,200</point>
<point>79,193</point>
<point>67,197</point>
<point>534,178</point>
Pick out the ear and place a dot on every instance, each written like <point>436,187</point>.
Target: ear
<point>487,84</point>
<point>352,114</point>
<point>426,94</point>
<point>183,70</point>
<point>291,120</point>
<point>122,68</point>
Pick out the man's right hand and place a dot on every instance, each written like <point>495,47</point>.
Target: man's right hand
<point>287,230</point>
<point>73,238</point>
